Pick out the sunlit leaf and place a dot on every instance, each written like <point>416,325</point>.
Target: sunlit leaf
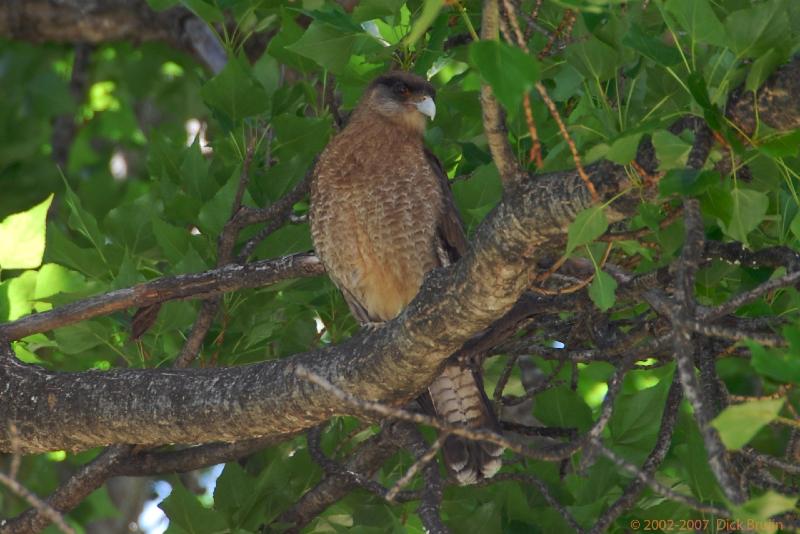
<point>22,237</point>
<point>737,424</point>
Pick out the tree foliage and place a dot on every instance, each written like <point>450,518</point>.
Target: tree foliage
<point>661,332</point>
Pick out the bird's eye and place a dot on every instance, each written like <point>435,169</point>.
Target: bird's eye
<point>402,89</point>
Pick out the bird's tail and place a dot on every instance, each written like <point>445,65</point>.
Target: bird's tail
<point>458,399</point>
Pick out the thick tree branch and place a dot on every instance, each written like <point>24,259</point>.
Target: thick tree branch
<point>99,21</point>
<point>150,407</point>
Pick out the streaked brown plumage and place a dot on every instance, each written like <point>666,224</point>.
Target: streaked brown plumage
<point>382,216</point>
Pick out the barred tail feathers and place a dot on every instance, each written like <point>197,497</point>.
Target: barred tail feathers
<point>459,400</point>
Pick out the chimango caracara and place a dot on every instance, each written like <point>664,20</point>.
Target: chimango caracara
<point>382,216</point>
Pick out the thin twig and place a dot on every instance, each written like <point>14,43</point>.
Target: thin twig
<point>657,486</point>
<point>551,453</point>
<point>748,296</point>
<point>500,386</point>
<point>415,467</point>
<point>734,334</point>
<point>545,491</point>
<point>563,30</point>
<point>225,244</point>
<point>668,419</point>
<point>431,497</point>
<point>276,214</point>
<point>71,493</point>
<point>38,504</point>
<point>551,106</point>
<point>684,352</point>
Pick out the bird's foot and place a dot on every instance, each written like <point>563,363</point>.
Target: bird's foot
<point>371,326</point>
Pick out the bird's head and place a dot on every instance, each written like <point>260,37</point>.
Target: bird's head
<point>402,97</point>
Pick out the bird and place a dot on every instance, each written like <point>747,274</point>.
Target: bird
<point>382,216</point>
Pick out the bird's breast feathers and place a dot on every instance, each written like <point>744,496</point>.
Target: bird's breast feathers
<point>373,219</point>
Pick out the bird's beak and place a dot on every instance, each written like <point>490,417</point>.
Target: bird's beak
<point>426,107</point>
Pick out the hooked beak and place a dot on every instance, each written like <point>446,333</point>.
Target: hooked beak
<point>426,107</point>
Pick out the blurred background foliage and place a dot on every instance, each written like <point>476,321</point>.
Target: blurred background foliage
<point>158,146</point>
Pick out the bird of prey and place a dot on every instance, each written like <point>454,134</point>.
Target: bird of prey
<point>382,216</point>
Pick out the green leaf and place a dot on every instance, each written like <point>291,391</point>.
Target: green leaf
<point>698,19</point>
<point>376,9</point>
<point>593,58</point>
<point>688,182</point>
<point>651,47</point>
<point>234,488</point>
<point>738,424</point>
<point>602,290</point>
<point>205,10</point>
<point>761,509</point>
<point>637,416</point>
<point>63,250</point>
<point>762,68</point>
<point>80,337</point>
<point>194,172</point>
<point>54,279</point>
<point>623,149</point>
<point>795,226</point>
<point>300,136</point>
<point>560,406</point>
<point>430,10</point>
<point>22,237</point>
<point>185,511</point>
<point>716,202</point>
<point>697,87</point>
<point>290,33</point>
<point>781,364</point>
<point>235,93</point>
<point>331,47</point>
<point>748,208</point>
<point>588,225</point>
<point>16,296</point>
<point>216,212</point>
<point>82,221</point>
<point>671,150</point>
<point>161,5</point>
<point>509,70</point>
<point>753,31</point>
<point>782,146</point>
<point>479,194</point>
<point>172,240</point>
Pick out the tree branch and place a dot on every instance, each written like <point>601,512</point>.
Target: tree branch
<point>80,410</point>
<point>183,286</point>
<point>100,21</point>
<point>493,117</point>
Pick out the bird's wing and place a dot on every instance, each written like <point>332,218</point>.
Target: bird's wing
<point>457,395</point>
<point>450,230</point>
